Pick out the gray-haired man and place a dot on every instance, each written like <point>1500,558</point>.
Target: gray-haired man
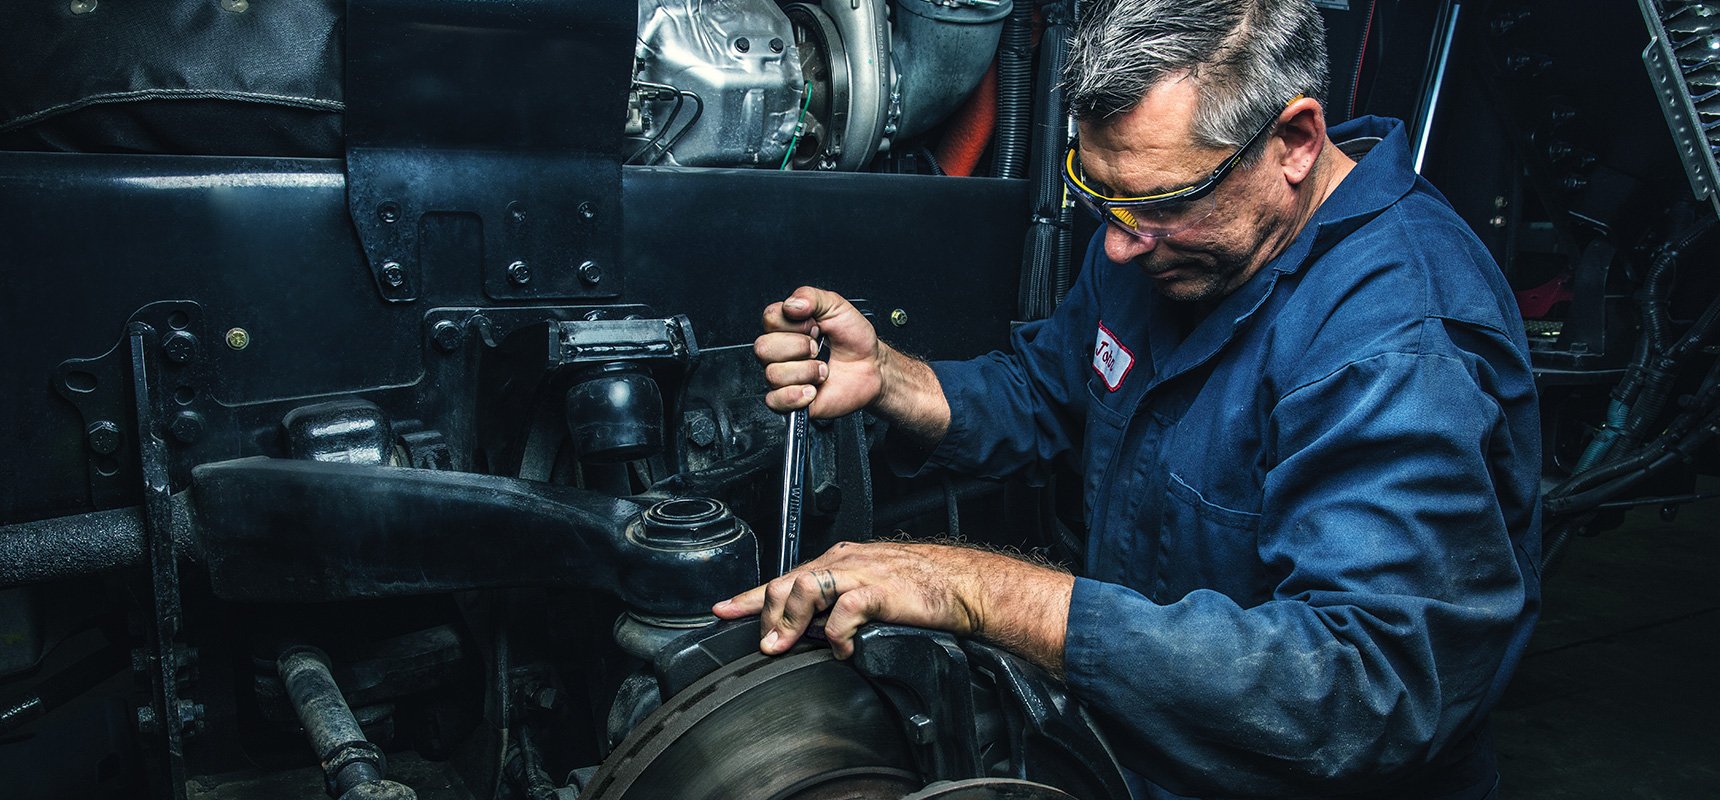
<point>1298,391</point>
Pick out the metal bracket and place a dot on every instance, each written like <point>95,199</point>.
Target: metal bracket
<point>1694,148</point>
<point>507,112</point>
<point>925,676</point>
<point>163,715</point>
<point>97,387</point>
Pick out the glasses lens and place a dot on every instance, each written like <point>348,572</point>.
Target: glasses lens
<point>1153,220</point>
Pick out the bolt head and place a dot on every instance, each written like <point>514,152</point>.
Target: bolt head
<point>393,274</point>
<point>587,211</point>
<point>448,336</point>
<point>180,347</point>
<point>899,317</point>
<point>776,45</point>
<point>238,338</point>
<point>388,212</point>
<point>102,437</point>
<point>701,431</point>
<point>83,6</point>
<point>519,274</point>
<point>742,45</point>
<point>146,723</point>
<point>590,273</point>
<point>186,427</point>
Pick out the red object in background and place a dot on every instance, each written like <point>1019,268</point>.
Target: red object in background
<point>970,129</point>
<point>1537,302</point>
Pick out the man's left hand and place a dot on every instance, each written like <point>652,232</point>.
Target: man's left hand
<point>969,592</point>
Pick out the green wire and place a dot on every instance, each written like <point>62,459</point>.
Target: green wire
<point>795,142</point>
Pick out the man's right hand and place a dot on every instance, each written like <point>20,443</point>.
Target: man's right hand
<point>863,371</point>
<point>789,351</point>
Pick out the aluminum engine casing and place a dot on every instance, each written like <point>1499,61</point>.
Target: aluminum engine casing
<point>751,96</point>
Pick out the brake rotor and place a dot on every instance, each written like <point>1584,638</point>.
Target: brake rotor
<point>990,789</point>
<point>797,727</point>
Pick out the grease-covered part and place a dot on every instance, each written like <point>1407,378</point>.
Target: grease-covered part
<point>82,544</point>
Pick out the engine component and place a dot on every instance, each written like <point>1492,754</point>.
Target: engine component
<point>1683,57</point>
<point>942,50</point>
<point>353,767</point>
<point>735,58</point>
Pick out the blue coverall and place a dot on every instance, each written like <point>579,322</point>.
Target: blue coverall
<point>1313,520</point>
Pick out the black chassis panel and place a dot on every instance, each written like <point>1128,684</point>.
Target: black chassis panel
<point>87,242</point>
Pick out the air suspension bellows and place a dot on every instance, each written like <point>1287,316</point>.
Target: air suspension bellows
<point>352,766</point>
<point>615,413</point>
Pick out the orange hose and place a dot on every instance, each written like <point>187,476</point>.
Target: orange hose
<point>969,131</point>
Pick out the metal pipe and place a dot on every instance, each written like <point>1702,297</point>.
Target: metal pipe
<point>81,545</point>
<point>352,766</point>
<point>1430,101</point>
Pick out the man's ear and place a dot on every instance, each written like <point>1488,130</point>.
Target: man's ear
<point>1302,131</point>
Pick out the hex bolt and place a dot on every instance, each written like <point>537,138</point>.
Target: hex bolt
<point>701,431</point>
<point>186,427</point>
<point>546,698</point>
<point>922,729</point>
<point>180,347</point>
<point>899,317</point>
<point>103,437</point>
<point>448,336</point>
<point>587,211</point>
<point>776,45</point>
<point>519,274</point>
<point>388,212</point>
<point>742,45</point>
<point>516,212</point>
<point>393,274</point>
<point>238,338</point>
<point>590,273</point>
<point>146,723</point>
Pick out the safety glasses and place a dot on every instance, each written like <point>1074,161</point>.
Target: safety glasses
<point>1158,215</point>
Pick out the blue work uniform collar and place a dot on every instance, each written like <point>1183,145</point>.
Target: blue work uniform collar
<point>1380,178</point>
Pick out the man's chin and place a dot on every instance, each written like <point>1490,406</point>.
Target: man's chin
<point>1184,287</point>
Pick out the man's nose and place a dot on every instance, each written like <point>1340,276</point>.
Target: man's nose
<point>1122,246</point>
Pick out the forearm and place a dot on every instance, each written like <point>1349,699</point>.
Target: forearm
<point>910,396</point>
<point>1025,609</point>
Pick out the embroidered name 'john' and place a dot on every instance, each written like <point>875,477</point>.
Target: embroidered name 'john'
<point>1111,359</point>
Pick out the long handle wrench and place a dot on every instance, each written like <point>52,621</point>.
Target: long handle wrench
<point>794,463</point>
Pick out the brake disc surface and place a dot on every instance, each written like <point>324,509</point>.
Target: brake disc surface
<point>797,727</point>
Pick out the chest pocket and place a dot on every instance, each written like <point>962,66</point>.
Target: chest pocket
<point>1204,545</point>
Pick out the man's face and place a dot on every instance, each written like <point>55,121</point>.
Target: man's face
<point>1150,150</point>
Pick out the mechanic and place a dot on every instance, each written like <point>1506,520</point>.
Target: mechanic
<point>1298,388</point>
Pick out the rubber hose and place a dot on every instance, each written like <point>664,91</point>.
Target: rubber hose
<point>1617,413</point>
<point>1014,93</point>
<point>1038,292</point>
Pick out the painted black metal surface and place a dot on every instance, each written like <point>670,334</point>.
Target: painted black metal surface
<point>499,113</point>
<point>264,246</point>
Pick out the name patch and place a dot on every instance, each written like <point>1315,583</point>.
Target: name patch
<point>1111,359</point>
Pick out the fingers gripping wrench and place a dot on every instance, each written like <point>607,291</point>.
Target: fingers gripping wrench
<point>794,465</point>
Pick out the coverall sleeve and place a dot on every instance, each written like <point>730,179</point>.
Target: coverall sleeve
<point>1016,413</point>
<point>1398,588</point>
